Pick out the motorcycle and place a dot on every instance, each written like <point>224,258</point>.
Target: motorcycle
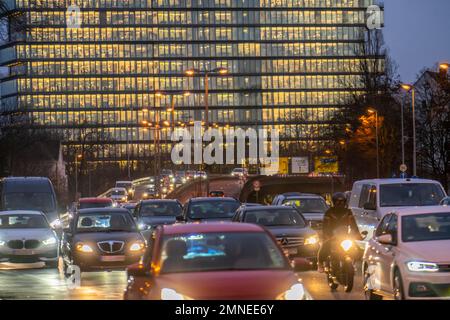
<point>340,264</point>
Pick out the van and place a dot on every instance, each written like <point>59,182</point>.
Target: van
<point>29,193</point>
<point>371,200</point>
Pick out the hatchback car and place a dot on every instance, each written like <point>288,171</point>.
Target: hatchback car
<point>210,209</point>
<point>215,261</point>
<point>99,239</point>
<point>287,225</point>
<point>26,237</point>
<point>88,203</point>
<point>409,256</point>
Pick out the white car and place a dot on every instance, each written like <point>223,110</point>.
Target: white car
<point>26,237</point>
<point>370,200</point>
<point>239,172</point>
<point>409,256</point>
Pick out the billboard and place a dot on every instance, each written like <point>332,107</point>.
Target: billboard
<point>326,164</point>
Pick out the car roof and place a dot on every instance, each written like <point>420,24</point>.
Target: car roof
<point>124,181</point>
<point>212,199</point>
<point>261,207</point>
<point>299,194</point>
<point>421,210</point>
<point>94,200</point>
<point>397,180</point>
<point>100,210</point>
<point>119,188</point>
<point>8,212</point>
<point>210,228</point>
<point>159,200</point>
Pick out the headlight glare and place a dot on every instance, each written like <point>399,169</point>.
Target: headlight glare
<point>312,240</point>
<point>84,248</point>
<point>419,266</point>
<point>346,245</point>
<point>137,246</point>
<point>49,241</point>
<point>2,243</point>
<point>296,292</point>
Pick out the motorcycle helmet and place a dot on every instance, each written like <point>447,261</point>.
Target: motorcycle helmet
<point>339,197</point>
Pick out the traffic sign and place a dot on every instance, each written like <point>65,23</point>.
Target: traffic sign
<point>403,167</point>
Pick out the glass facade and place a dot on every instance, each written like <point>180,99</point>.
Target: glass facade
<point>290,63</point>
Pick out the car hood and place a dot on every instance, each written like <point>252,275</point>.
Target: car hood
<point>157,220</point>
<point>18,234</point>
<point>291,231</point>
<point>228,285</point>
<point>107,236</point>
<point>429,251</point>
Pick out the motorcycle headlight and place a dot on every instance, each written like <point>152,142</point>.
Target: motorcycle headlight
<point>55,224</point>
<point>346,245</point>
<point>419,266</point>
<point>296,292</point>
<point>312,240</point>
<point>84,248</point>
<point>170,294</point>
<point>137,246</point>
<point>50,241</point>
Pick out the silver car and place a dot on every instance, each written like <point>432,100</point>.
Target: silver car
<point>27,237</point>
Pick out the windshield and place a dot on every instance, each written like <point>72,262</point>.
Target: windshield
<point>275,217</point>
<point>220,251</point>
<point>105,222</point>
<point>38,201</point>
<point>89,205</point>
<point>410,194</point>
<point>426,227</point>
<point>213,209</point>
<point>125,185</point>
<point>23,221</point>
<point>305,205</point>
<point>160,208</point>
<point>118,192</point>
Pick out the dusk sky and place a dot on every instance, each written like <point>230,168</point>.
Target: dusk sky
<point>417,33</point>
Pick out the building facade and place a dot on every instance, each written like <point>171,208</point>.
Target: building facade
<point>290,64</point>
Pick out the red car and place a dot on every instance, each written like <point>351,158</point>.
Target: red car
<point>215,261</point>
<point>91,203</point>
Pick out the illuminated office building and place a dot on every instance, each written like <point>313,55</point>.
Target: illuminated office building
<point>289,62</point>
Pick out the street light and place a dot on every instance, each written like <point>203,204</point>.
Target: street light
<point>444,66</point>
<point>410,88</point>
<point>374,111</point>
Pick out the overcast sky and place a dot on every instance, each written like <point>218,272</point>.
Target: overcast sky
<point>417,33</point>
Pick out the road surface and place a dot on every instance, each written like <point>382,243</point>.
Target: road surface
<point>33,282</point>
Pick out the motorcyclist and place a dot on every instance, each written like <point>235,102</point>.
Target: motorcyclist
<point>338,216</point>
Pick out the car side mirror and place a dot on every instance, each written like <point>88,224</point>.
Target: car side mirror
<point>301,265</point>
<point>369,206</point>
<point>386,239</point>
<point>137,270</point>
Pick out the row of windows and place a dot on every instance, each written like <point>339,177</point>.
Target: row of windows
<point>105,68</point>
<point>204,17</point>
<point>194,3</point>
<point>196,34</point>
<point>118,51</point>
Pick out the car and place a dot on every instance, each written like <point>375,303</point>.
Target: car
<point>201,175</point>
<point>203,209</point>
<point>151,213</point>
<point>371,200</point>
<point>287,225</point>
<point>190,174</point>
<point>239,172</point>
<point>27,237</point>
<point>30,193</point>
<point>88,203</point>
<point>118,195</point>
<point>130,206</point>
<point>180,178</point>
<point>409,256</point>
<point>128,185</point>
<point>215,261</point>
<point>101,239</point>
<point>312,206</point>
<point>445,201</point>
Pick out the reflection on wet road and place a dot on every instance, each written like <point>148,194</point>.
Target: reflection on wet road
<point>32,282</point>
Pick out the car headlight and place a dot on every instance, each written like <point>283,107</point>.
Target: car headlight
<point>170,294</point>
<point>296,292</point>
<point>145,194</point>
<point>2,243</point>
<point>346,245</point>
<point>55,223</point>
<point>312,240</point>
<point>143,226</point>
<point>83,248</point>
<point>49,241</point>
<point>137,246</point>
<point>419,266</point>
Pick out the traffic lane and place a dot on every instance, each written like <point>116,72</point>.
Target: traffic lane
<point>33,282</point>
<point>317,285</point>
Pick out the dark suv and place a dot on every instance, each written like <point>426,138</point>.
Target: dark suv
<point>210,209</point>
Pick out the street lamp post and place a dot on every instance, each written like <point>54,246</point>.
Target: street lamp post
<point>77,156</point>
<point>410,88</point>
<point>374,111</point>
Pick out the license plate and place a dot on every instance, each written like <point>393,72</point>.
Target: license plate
<point>112,258</point>
<point>23,252</point>
<point>293,251</point>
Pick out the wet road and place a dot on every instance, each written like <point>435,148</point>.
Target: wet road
<point>32,282</point>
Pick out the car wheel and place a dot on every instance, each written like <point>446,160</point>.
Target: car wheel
<point>398,286</point>
<point>368,293</point>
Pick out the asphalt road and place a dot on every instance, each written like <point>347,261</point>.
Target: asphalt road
<point>33,282</point>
